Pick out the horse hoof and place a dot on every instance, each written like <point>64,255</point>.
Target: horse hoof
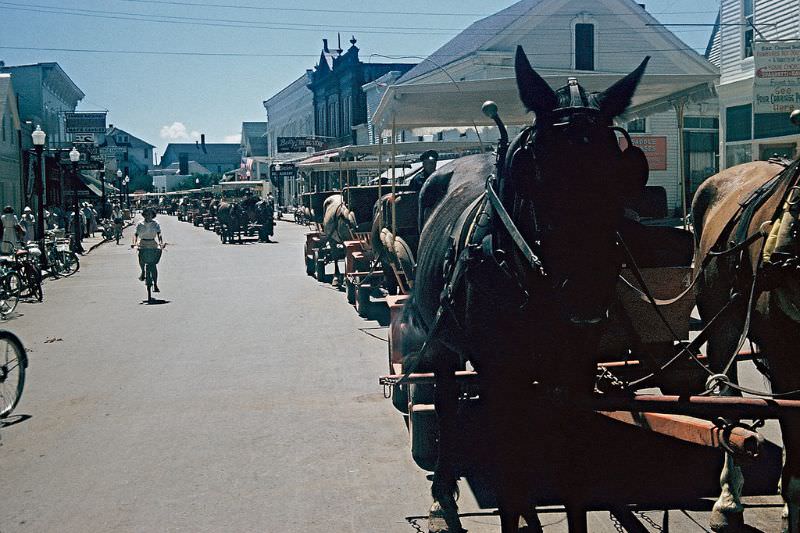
<point>442,520</point>
<point>722,522</point>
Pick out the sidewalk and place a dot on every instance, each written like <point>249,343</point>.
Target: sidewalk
<point>90,243</point>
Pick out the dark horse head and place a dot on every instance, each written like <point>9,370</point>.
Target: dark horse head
<point>567,182</point>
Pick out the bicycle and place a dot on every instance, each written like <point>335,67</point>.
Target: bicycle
<point>22,262</point>
<point>13,362</point>
<point>150,258</point>
<point>10,288</point>
<point>62,260</point>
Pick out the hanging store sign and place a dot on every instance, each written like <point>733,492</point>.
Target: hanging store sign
<point>286,171</point>
<point>654,148</point>
<point>85,122</point>
<point>299,144</point>
<point>776,84</point>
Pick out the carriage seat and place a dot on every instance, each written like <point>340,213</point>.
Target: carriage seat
<point>658,246</point>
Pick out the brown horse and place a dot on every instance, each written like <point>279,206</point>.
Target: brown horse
<point>523,313</point>
<point>719,220</point>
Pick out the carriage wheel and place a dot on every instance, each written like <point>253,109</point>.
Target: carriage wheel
<point>319,266</point>
<point>363,302</point>
<point>422,427</point>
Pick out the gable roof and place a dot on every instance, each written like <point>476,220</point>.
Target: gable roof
<point>714,47</point>
<point>472,39</point>
<point>215,153</point>
<point>113,130</point>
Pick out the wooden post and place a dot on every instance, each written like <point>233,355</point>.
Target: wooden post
<point>394,185</point>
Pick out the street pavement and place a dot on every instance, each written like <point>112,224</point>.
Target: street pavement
<point>245,400</point>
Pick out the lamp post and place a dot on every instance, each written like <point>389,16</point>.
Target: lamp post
<point>197,183</point>
<point>119,186</point>
<point>38,144</point>
<point>74,157</point>
<point>103,193</point>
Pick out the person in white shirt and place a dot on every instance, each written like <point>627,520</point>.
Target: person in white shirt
<point>149,240</point>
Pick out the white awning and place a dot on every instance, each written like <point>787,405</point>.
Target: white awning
<point>458,104</point>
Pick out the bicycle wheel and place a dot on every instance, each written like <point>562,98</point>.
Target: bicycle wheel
<point>69,263</point>
<point>148,280</point>
<point>33,279</point>
<point>10,288</point>
<point>13,362</point>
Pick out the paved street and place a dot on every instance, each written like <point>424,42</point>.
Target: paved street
<point>247,401</point>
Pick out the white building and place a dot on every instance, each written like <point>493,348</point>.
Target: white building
<point>745,133</point>
<point>593,39</point>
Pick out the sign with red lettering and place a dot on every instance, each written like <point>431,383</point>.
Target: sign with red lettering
<point>654,148</point>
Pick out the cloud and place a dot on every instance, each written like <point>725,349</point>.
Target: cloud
<point>235,138</point>
<point>178,131</point>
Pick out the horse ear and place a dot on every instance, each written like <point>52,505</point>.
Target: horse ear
<point>535,93</point>
<point>616,99</point>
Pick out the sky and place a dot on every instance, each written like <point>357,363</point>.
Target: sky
<point>169,70</point>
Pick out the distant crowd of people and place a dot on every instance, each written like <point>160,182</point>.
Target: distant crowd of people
<point>18,231</point>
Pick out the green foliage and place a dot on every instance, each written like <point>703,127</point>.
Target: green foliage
<point>206,180</point>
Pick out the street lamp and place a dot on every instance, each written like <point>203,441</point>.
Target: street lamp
<point>197,183</point>
<point>119,186</point>
<point>103,193</point>
<point>38,144</point>
<point>74,157</point>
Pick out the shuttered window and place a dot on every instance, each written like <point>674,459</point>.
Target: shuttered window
<point>584,46</point>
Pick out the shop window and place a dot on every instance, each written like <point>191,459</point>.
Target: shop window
<point>772,125</point>
<point>637,126</point>
<point>584,46</point>
<point>736,154</point>
<point>739,123</point>
<point>701,149</point>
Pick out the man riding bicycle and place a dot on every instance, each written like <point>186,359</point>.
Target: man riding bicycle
<point>149,240</point>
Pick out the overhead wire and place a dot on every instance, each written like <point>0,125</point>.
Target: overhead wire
<point>292,26</point>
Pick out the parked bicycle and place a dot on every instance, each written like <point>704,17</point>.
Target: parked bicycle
<point>23,263</point>
<point>61,260</point>
<point>10,288</point>
<point>13,362</point>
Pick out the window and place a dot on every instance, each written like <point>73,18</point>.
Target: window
<point>739,123</point>
<point>736,154</point>
<point>747,30</point>
<point>584,46</point>
<point>146,153</point>
<point>121,139</point>
<point>701,123</point>
<point>637,126</point>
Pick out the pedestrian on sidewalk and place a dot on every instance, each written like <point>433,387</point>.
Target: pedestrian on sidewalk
<point>28,224</point>
<point>12,230</point>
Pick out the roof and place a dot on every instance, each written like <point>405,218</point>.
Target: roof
<point>254,138</point>
<point>215,153</point>
<point>472,39</point>
<point>254,129</point>
<point>714,47</point>
<point>53,70</point>
<point>6,96</point>
<point>459,104</point>
<point>112,130</point>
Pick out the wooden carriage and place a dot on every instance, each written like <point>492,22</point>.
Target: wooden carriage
<point>315,254</point>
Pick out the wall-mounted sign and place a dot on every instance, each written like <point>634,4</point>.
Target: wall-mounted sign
<point>83,138</point>
<point>85,122</point>
<point>299,144</point>
<point>654,148</point>
<point>776,84</point>
<point>277,176</point>
<point>112,151</point>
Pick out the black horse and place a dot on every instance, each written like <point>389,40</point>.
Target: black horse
<point>526,310</point>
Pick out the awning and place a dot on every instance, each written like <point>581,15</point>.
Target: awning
<point>92,182</point>
<point>322,166</point>
<point>458,104</point>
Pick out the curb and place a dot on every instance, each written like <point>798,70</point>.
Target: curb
<point>96,245</point>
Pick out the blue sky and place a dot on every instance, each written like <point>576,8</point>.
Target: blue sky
<point>172,97</point>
